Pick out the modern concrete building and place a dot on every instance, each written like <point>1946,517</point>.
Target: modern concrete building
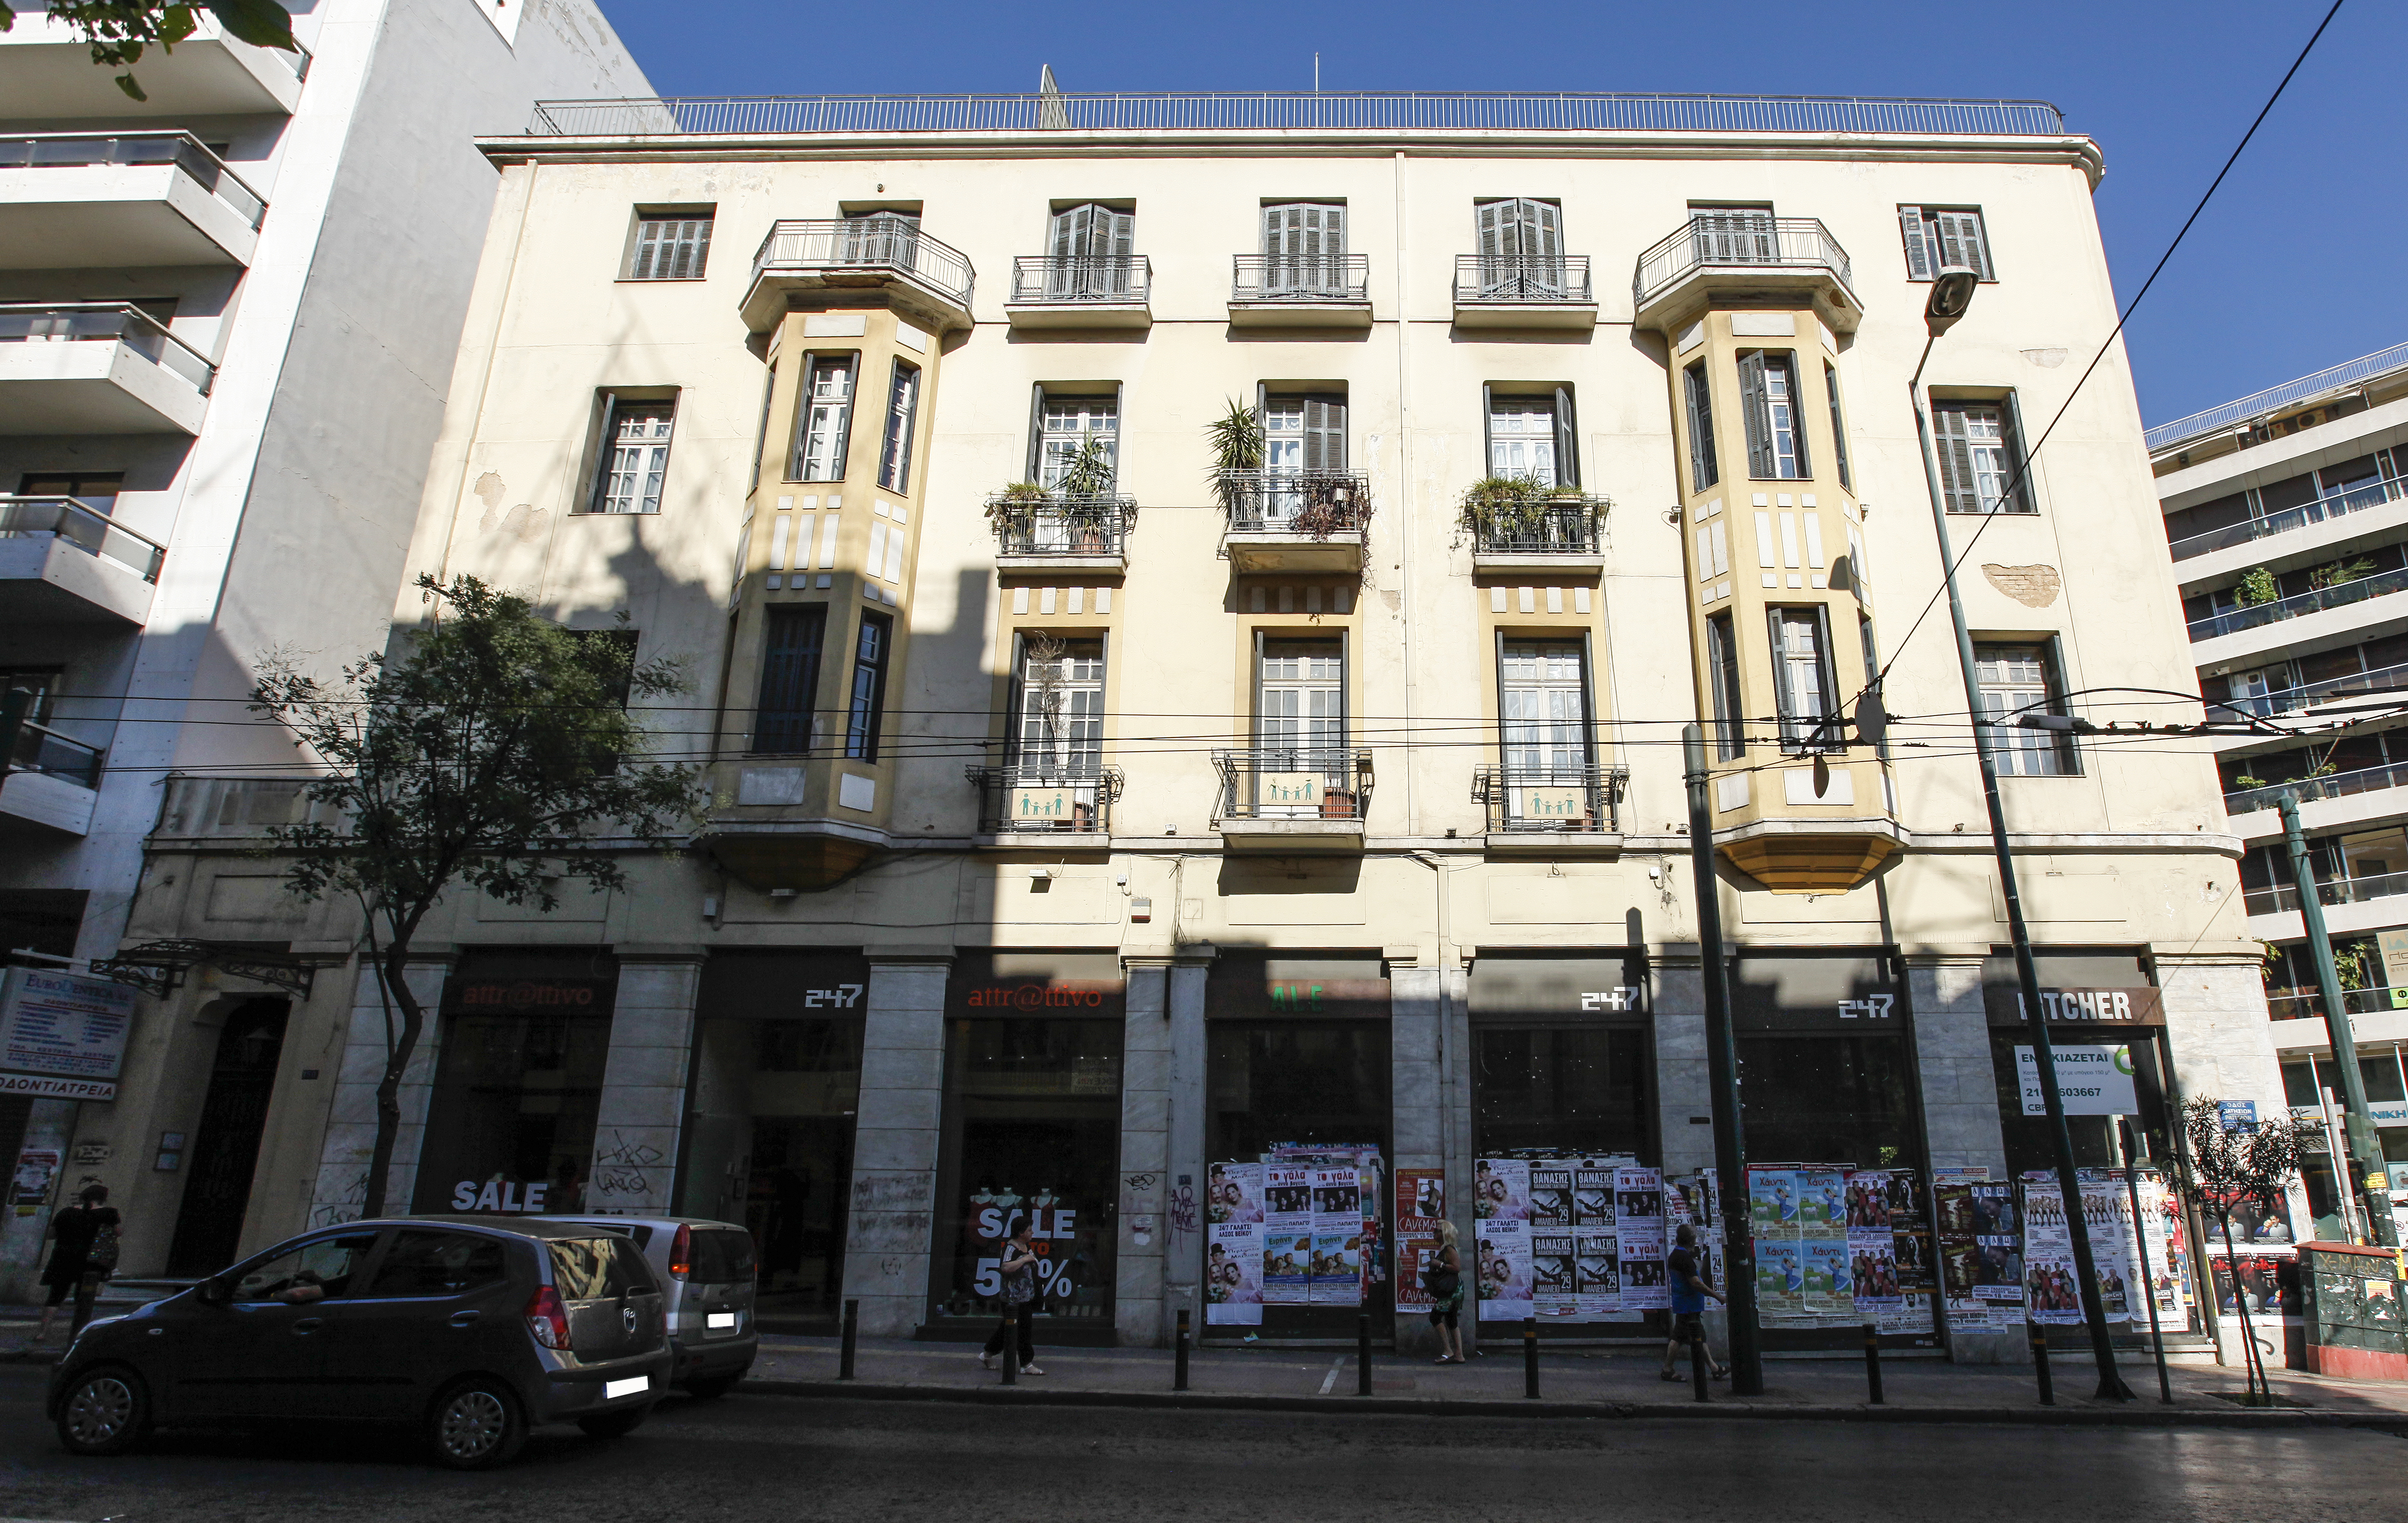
<point>1092,805</point>
<point>2290,531</point>
<point>228,319</point>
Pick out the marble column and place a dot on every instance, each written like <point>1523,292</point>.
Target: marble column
<point>1143,1217</point>
<point>1184,1160</point>
<point>1960,1103</point>
<point>643,1105</point>
<point>890,1225</point>
<point>341,1185</point>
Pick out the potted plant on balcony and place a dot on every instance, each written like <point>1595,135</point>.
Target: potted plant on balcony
<point>1236,438</point>
<point>1086,493</point>
<point>2334,573</point>
<point>1502,509</point>
<point>2257,586</point>
<point>1328,504</point>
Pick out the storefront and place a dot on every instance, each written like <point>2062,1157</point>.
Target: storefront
<point>769,1133</point>
<point>1031,1132</point>
<point>524,1041</point>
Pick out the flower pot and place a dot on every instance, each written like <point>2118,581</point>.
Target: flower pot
<point>1336,804</point>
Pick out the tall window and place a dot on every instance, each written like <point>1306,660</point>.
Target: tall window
<point>637,458</point>
<point>1839,427</point>
<point>1066,425</point>
<point>902,405</point>
<point>669,248</point>
<point>881,237</point>
<point>1734,235</point>
<point>1803,681</point>
<point>868,696</point>
<point>1091,248</point>
<point>1302,435</point>
<point>2018,680</point>
<point>1522,438</point>
<point>1301,704</point>
<point>1704,471</point>
<point>823,422</point>
<point>1543,704</point>
<point>790,677</point>
<point>1938,237</point>
<point>1768,397</point>
<point>1722,664</point>
<point>1520,248</point>
<point>1059,730</point>
<point>1304,248</point>
<point>1980,458</point>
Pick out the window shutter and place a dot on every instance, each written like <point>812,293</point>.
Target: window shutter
<point>1918,251</point>
<point>1566,440</point>
<point>1959,493</point>
<point>1702,471</point>
<point>1488,427</point>
<point>2011,421</point>
<point>608,429</point>
<point>1036,432</point>
<point>1543,230</point>
<point>1759,417</point>
<point>1495,218</point>
<point>1961,241</point>
<point>1781,694</point>
<point>1333,231</point>
<point>1325,434</point>
<point>1064,243</point>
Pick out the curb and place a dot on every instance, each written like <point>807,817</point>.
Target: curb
<point>1725,1410</point>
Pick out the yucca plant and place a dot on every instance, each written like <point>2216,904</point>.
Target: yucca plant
<point>1236,438</point>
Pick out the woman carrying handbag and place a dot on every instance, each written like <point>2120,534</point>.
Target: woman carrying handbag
<point>1442,1278</point>
<point>1020,1259</point>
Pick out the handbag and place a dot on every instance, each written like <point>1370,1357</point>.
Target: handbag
<point>1443,1284</point>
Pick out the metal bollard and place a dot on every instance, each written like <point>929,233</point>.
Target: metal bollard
<point>2039,1364</point>
<point>1179,1371</point>
<point>1873,1361</point>
<point>851,1340</point>
<point>1011,1346</point>
<point>1362,1353</point>
<point>1530,1357</point>
<point>1698,1361</point>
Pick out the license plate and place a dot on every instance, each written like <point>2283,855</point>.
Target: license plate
<point>722,1320</point>
<point>633,1385</point>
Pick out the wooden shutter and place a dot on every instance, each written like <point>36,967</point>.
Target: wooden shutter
<point>1543,230</point>
<point>1961,241</point>
<point>1566,440</point>
<point>1757,415</point>
<point>1036,432</point>
<point>1703,469</point>
<point>1487,430</point>
<point>1495,220</point>
<point>1325,434</point>
<point>2010,432</point>
<point>1959,492</point>
<point>1918,252</point>
<point>790,663</point>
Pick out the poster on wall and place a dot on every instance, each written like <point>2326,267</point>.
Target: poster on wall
<point>1233,1192</point>
<point>1554,1271</point>
<point>2052,1295</point>
<point>1551,1194</point>
<point>62,1035</point>
<point>1780,1279</point>
<point>1997,1267</point>
<point>1503,1270</point>
<point>1597,1259</point>
<point>1500,1189</point>
<point>1233,1274</point>
<point>30,1187</point>
<point>1830,1293</point>
<point>1337,1236</point>
<point>1287,1234</point>
<point>1421,1205</point>
<point>1592,1194</point>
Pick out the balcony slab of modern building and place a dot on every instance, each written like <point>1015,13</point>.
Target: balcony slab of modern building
<point>2304,544</point>
<point>96,384</point>
<point>62,564</point>
<point>2375,795</point>
<point>1524,293</point>
<point>2312,1036</point>
<point>1739,262</point>
<point>1080,295</point>
<point>1811,856</point>
<point>804,265</point>
<point>175,203</point>
<point>45,801</point>
<point>46,74</point>
<point>2361,917</point>
<point>2323,630</point>
<point>1301,292</point>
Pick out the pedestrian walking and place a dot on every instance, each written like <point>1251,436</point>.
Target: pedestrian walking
<point>1442,1279</point>
<point>86,1254</point>
<point>1019,1258</point>
<point>1690,1293</point>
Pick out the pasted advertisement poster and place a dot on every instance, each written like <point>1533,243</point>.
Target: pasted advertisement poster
<point>1597,1255</point>
<point>1639,1213</point>
<point>1500,1189</point>
<point>1551,1194</point>
<point>1421,1205</point>
<point>62,1035</point>
<point>36,1167</point>
<point>1830,1294</point>
<point>1998,1263</point>
<point>1337,1236</point>
<point>2052,1293</point>
<point>1554,1271</point>
<point>1592,1194</point>
<point>1287,1234</point>
<point>1233,1192</point>
<point>1780,1278</point>
<point>1951,1205</point>
<point>1233,1274</point>
<point>1503,1270</point>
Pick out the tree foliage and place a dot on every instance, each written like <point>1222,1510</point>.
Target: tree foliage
<point>120,32</point>
<point>493,751</point>
<point>2231,1172</point>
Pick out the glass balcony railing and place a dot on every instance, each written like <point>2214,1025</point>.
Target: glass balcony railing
<point>2357,499</point>
<point>2283,896</point>
<point>77,150</point>
<point>2331,785</point>
<point>2309,1005</point>
<point>2300,605</point>
<point>80,526</point>
<point>2288,700</point>
<point>40,323</point>
<point>42,749</point>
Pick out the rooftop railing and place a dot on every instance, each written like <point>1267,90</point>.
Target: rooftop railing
<point>2299,605</point>
<point>1284,112</point>
<point>1531,277</point>
<point>2357,499</point>
<point>39,749</point>
<point>87,321</point>
<point>1716,240</point>
<point>1301,277</point>
<point>867,243</point>
<point>74,149</point>
<point>1081,277</point>
<point>93,532</point>
<point>2249,409</point>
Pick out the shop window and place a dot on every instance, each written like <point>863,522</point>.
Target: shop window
<point>1300,1081</point>
<point>518,1083</point>
<point>868,691</point>
<point>902,409</point>
<point>790,678</point>
<point>2018,680</point>
<point>824,420</point>
<point>635,456</point>
<point>1579,1089</point>
<point>1768,400</point>
<point>1803,679</point>
<point>1982,466</point>
<point>1704,471</point>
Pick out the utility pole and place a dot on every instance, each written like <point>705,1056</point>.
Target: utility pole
<point>2365,1169</point>
<point>1722,1061</point>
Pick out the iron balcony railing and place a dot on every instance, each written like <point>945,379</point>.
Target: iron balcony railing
<point>1566,800</point>
<point>76,149</point>
<point>1522,277</point>
<point>2329,785</point>
<point>867,244</point>
<point>2286,700</point>
<point>1017,800</point>
<point>1284,111</point>
<point>1267,278</point>
<point>40,749</point>
<point>1060,525</point>
<point>236,807</point>
<point>2309,1005</point>
<point>2299,605</point>
<point>2218,420</point>
<point>1295,782</point>
<point>86,322</point>
<point>2282,897</point>
<point>1738,240</point>
<point>90,531</point>
<point>1039,278</point>
<point>1319,503</point>
<point>2357,499</point>
<point>1557,526</point>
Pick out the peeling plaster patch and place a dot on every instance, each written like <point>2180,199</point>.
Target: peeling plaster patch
<point>2033,586</point>
<point>2047,359</point>
<point>489,490</point>
<point>524,523</point>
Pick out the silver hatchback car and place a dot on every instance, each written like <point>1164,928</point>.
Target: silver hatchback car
<point>707,1269</point>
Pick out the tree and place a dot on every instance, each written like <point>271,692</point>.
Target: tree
<point>120,31</point>
<point>2230,1170</point>
<point>491,751</point>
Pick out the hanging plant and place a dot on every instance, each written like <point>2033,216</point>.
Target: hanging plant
<point>1331,504</point>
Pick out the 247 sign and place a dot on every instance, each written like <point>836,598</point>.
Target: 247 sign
<point>1873,1006</point>
<point>1622,996</point>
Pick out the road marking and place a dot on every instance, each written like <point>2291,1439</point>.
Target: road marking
<point>1329,1382</point>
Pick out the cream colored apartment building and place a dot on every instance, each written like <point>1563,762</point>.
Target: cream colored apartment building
<point>1089,807</point>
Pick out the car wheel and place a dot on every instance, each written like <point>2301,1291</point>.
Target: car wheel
<point>474,1425</point>
<point>714,1387</point>
<point>611,1425</point>
<point>107,1411</point>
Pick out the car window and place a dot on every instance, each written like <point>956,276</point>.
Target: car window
<point>720,1255</point>
<point>598,1269</point>
<point>319,1270</point>
<point>424,1263</point>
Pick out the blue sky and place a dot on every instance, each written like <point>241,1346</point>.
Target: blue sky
<point>2295,266</point>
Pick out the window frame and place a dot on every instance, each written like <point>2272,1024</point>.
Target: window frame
<point>808,661</point>
<point>1341,748</point>
<point>1923,237</point>
<point>1563,443</point>
<point>2010,754</point>
<point>902,422</point>
<point>1756,407</point>
<point>1839,428</point>
<point>1723,679</point>
<point>697,245</point>
<point>1068,760</point>
<point>1040,462</point>
<point>1583,654</point>
<point>796,462</point>
<point>1705,468</point>
<point>1959,480</point>
<point>1797,728</point>
<point>864,713</point>
<point>606,465</point>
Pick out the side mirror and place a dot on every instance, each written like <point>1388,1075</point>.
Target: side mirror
<point>213,1291</point>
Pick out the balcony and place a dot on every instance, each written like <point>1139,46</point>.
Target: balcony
<point>1294,521</point>
<point>1080,292</point>
<point>104,201</point>
<point>927,281</point>
<point>2309,1005</point>
<point>1016,803</point>
<point>47,72</point>
<point>1727,254</point>
<point>97,367</point>
<point>2299,605</point>
<point>234,808</point>
<point>2323,510</point>
<point>51,780</point>
<point>2284,898</point>
<point>1524,291</point>
<point>1551,809</point>
<point>2331,785</point>
<point>1298,290</point>
<point>63,562</point>
<point>2291,700</point>
<point>1293,799</point>
<point>1057,533</point>
<point>1549,534</point>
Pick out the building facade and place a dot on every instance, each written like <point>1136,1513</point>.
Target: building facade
<point>227,317</point>
<point>1191,607</point>
<point>2290,531</point>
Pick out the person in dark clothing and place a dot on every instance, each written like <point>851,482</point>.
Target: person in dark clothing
<point>71,1270</point>
<point>1019,1268</point>
<point>1690,1293</point>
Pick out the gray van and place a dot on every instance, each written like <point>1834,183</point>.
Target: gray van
<point>707,1268</point>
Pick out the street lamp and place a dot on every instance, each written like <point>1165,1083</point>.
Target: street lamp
<point>1952,292</point>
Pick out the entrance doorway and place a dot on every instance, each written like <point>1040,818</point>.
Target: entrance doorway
<point>225,1146</point>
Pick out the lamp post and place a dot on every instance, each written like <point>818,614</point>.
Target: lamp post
<point>1722,1059</point>
<point>1952,292</point>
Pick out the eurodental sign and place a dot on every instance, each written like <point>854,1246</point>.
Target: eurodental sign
<point>2092,1081</point>
<point>62,1035</point>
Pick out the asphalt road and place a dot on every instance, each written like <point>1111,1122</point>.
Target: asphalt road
<point>764,1457</point>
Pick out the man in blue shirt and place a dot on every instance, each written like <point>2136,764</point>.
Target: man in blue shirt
<point>1690,1293</point>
